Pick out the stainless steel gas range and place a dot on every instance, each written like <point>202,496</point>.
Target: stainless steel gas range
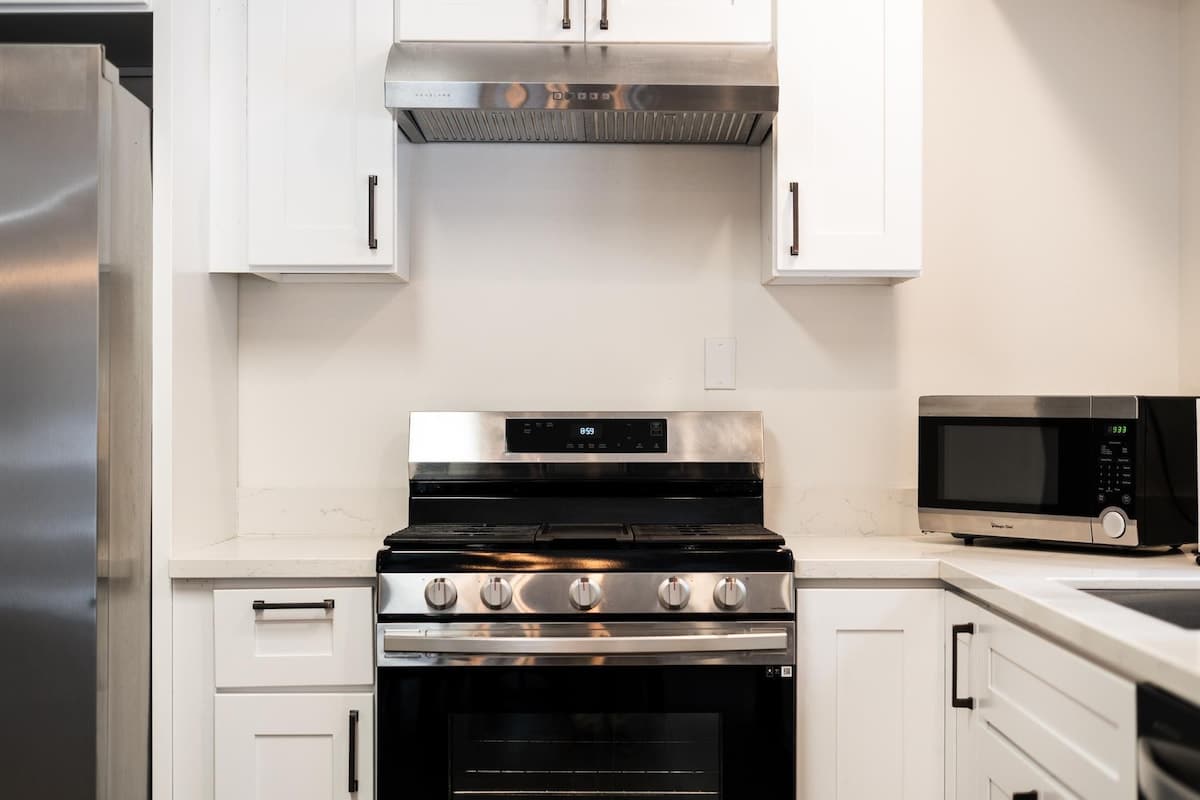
<point>586,606</point>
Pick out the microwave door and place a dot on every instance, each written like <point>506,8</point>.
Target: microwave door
<point>1008,477</point>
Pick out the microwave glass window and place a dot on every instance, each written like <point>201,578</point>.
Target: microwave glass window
<point>585,755</point>
<point>1000,464</point>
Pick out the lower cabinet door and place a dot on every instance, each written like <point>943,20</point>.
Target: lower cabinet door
<point>294,747</point>
<point>869,687</point>
<point>1002,772</point>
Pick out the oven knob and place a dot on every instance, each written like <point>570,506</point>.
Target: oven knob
<point>496,593</point>
<point>440,594</point>
<point>674,593</point>
<point>730,594</point>
<point>1113,523</point>
<point>584,594</point>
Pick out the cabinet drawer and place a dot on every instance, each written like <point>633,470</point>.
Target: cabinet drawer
<point>293,637</point>
<point>1074,718</point>
<point>1006,772</point>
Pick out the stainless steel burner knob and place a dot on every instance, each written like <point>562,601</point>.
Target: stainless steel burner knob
<point>584,594</point>
<point>496,593</point>
<point>440,594</point>
<point>674,593</point>
<point>730,594</point>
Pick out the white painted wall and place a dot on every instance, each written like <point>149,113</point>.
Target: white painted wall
<point>588,278</point>
<point>1189,295</point>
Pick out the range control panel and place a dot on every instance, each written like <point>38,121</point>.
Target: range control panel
<point>527,435</point>
<point>1114,451</point>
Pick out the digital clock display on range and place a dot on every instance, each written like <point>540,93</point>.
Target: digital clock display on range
<point>592,435</point>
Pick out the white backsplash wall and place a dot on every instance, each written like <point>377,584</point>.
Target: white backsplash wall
<point>575,278</point>
<point>1189,295</point>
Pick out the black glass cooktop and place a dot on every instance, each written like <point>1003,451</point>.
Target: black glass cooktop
<point>536,536</point>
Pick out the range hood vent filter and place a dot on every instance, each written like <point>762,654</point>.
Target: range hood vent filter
<point>612,94</point>
<point>608,127</point>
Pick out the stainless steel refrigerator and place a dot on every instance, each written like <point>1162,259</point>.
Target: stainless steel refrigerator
<point>75,239</point>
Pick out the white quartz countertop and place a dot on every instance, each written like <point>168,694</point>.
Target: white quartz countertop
<point>281,557</point>
<point>1035,586</point>
<point>1039,587</point>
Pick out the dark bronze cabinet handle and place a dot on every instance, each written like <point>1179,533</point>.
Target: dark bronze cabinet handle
<point>353,785</point>
<point>262,605</point>
<point>795,190</point>
<point>566,15</point>
<point>603,15</point>
<point>955,700</point>
<point>1025,796</point>
<point>372,182</point>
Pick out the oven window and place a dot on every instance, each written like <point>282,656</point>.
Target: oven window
<point>585,755</point>
<point>1008,464</point>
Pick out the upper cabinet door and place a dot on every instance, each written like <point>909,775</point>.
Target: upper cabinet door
<point>320,145</point>
<point>490,20</point>
<point>845,182</point>
<point>700,21</point>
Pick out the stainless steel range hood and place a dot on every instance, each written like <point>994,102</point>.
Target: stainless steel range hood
<point>679,94</point>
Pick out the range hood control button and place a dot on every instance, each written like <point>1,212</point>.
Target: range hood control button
<point>440,594</point>
<point>496,593</point>
<point>583,594</point>
<point>674,593</point>
<point>730,594</point>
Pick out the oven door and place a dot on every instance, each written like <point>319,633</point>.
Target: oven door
<point>586,710</point>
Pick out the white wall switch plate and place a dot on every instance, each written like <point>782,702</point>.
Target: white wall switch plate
<point>720,363</point>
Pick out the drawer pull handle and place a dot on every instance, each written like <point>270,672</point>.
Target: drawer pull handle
<point>794,188</point>
<point>262,605</point>
<point>955,700</point>
<point>1025,796</point>
<point>372,182</point>
<point>353,785</point>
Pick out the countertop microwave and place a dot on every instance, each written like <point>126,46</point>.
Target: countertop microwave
<point>1110,471</point>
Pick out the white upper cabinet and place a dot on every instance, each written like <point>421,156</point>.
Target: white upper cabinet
<point>700,21</point>
<point>320,144</point>
<point>843,169</point>
<point>490,20</point>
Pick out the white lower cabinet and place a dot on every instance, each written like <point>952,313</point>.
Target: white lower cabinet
<point>294,746</point>
<point>1004,772</point>
<point>1030,720</point>
<point>272,690</point>
<point>869,684</point>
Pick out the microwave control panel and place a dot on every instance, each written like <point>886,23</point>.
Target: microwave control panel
<point>1114,450</point>
<point>525,435</point>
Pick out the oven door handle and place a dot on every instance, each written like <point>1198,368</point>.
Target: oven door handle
<point>410,641</point>
<point>1155,779</point>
